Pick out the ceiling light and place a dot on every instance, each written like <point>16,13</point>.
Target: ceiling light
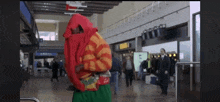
<point>45,21</point>
<point>75,4</point>
<point>170,55</point>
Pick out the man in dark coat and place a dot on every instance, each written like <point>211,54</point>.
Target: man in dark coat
<point>154,65</point>
<point>55,67</point>
<point>163,71</point>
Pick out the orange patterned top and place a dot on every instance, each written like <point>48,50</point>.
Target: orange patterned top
<point>97,57</point>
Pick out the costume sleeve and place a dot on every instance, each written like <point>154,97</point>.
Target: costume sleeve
<point>100,59</point>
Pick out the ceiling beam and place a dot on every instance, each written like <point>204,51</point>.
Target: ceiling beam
<point>99,5</point>
<point>103,2</point>
<point>58,13</point>
<point>87,13</point>
<point>61,4</point>
<point>54,10</point>
<point>53,2</point>
<point>63,8</point>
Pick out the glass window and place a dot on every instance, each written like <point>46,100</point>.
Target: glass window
<point>48,36</point>
<point>197,36</point>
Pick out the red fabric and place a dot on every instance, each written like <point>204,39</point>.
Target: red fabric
<point>74,46</point>
<point>70,7</point>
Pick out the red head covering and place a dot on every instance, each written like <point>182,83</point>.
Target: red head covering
<point>75,45</point>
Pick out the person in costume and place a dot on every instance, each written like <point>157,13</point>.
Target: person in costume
<point>88,60</point>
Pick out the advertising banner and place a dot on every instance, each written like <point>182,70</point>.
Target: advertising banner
<point>138,58</point>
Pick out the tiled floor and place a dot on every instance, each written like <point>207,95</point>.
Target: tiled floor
<point>46,91</point>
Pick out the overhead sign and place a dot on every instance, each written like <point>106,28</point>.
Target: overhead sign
<point>124,46</point>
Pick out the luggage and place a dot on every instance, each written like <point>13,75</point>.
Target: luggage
<point>154,80</point>
<point>148,78</point>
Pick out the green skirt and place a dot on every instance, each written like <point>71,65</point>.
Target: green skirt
<point>102,95</point>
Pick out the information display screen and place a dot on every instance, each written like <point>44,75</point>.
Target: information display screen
<point>138,58</point>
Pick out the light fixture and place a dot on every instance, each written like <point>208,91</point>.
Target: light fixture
<point>75,4</point>
<point>174,55</point>
<point>170,55</point>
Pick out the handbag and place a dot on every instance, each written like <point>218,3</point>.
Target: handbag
<point>92,83</point>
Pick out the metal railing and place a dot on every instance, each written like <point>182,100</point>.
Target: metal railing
<point>177,74</point>
<point>29,99</point>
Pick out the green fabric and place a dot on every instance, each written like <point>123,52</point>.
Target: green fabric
<point>149,63</point>
<point>102,95</point>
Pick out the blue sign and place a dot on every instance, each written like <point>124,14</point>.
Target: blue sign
<point>46,54</point>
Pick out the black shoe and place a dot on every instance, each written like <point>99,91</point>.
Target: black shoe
<point>164,93</point>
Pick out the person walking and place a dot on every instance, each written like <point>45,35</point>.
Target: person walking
<point>163,71</point>
<point>61,67</point>
<point>128,69</point>
<point>87,61</point>
<point>55,67</point>
<point>116,68</point>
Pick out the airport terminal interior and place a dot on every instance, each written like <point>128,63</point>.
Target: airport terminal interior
<point>138,29</point>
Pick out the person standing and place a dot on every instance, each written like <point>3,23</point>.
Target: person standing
<point>116,68</point>
<point>128,67</point>
<point>55,67</point>
<point>46,64</point>
<point>61,67</point>
<point>163,71</point>
<point>87,61</point>
<point>144,65</point>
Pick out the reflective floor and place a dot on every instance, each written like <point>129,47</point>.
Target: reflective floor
<point>43,89</point>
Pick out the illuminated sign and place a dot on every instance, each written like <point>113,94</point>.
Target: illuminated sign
<point>124,46</point>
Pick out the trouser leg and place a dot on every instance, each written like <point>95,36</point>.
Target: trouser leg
<point>131,77</point>
<point>127,78</point>
<point>164,84</point>
<point>61,72</point>
<point>116,82</point>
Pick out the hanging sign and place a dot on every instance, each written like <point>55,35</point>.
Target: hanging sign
<point>124,46</point>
